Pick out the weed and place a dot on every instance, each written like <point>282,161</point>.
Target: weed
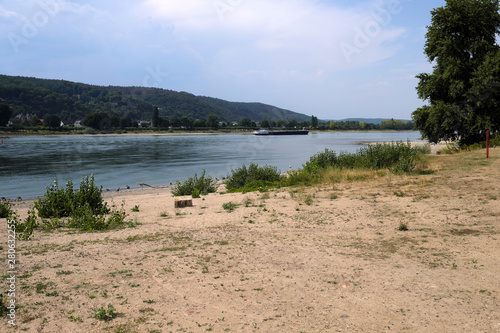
<point>403,227</point>
<point>3,309</point>
<point>105,314</point>
<point>248,202</point>
<point>41,287</point>
<point>135,208</point>
<point>229,206</point>
<point>399,193</point>
<point>75,319</point>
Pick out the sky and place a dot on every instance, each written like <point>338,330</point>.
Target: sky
<point>334,59</point>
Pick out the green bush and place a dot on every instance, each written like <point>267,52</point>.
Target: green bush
<point>57,202</point>
<point>398,155</point>
<point>91,194</point>
<point>63,202</point>
<point>253,178</point>
<point>5,209</point>
<point>195,186</point>
<point>84,218</point>
<point>29,225</point>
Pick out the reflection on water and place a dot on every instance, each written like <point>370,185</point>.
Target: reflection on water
<point>28,164</point>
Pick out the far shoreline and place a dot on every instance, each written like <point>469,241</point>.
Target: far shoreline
<point>166,133</point>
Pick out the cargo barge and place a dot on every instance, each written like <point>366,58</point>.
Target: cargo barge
<point>291,132</point>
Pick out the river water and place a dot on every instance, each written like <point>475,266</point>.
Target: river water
<point>29,164</point>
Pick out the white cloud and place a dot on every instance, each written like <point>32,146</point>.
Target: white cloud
<point>270,51</point>
<point>8,14</point>
<point>281,33</point>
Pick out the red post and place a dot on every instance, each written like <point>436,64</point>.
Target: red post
<point>488,144</point>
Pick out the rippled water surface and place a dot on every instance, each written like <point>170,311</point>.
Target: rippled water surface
<point>28,164</point>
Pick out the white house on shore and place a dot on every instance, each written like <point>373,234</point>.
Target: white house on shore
<point>145,123</point>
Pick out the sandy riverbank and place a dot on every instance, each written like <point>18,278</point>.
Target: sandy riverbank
<point>329,258</point>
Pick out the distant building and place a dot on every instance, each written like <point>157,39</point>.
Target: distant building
<point>78,123</point>
<point>145,123</point>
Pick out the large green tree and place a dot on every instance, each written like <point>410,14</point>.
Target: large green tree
<point>5,113</point>
<point>52,121</point>
<point>462,91</point>
<point>97,120</point>
<point>212,121</point>
<point>314,122</point>
<point>156,117</point>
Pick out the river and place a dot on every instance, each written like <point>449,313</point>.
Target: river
<point>28,164</point>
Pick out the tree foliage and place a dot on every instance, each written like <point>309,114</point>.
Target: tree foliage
<point>156,118</point>
<point>212,121</point>
<point>462,90</point>
<point>52,121</point>
<point>314,122</point>
<point>5,113</point>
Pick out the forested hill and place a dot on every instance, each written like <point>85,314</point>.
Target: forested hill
<point>72,101</point>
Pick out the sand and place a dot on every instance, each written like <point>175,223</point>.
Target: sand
<point>328,258</point>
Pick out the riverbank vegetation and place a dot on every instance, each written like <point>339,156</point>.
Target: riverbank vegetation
<point>82,209</point>
<point>195,186</point>
<point>398,158</point>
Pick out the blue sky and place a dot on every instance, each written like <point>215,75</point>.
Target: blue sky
<point>331,58</point>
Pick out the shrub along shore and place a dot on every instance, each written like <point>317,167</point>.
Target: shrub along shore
<point>85,208</point>
<point>398,158</point>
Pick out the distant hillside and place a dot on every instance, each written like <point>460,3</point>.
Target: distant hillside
<point>368,120</point>
<point>256,111</point>
<point>72,101</point>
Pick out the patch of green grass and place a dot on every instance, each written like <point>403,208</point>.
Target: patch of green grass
<point>135,208</point>
<point>229,206</point>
